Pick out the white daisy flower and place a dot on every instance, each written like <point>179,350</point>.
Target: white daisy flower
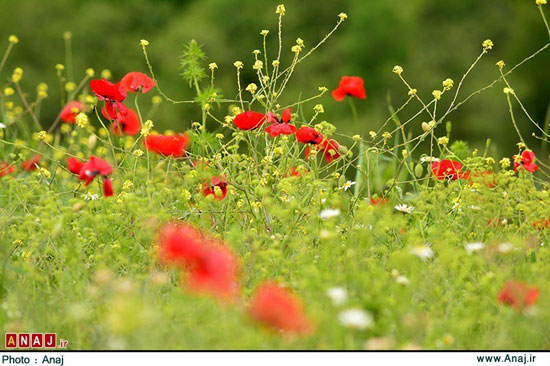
<point>338,295</point>
<point>329,213</point>
<point>404,208</point>
<point>423,252</point>
<point>474,247</point>
<point>347,185</point>
<point>355,318</point>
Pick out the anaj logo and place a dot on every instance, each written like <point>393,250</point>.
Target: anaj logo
<point>34,340</point>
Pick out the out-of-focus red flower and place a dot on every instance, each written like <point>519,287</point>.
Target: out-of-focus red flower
<point>112,94</point>
<point>94,167</point>
<point>542,224</point>
<point>308,135</point>
<point>330,150</point>
<point>293,172</point>
<point>74,165</point>
<point>486,177</point>
<point>210,266</point>
<point>280,127</point>
<point>448,169</point>
<point>249,120</point>
<point>518,295</point>
<point>209,188</point>
<point>215,273</point>
<point>375,201</point>
<point>32,163</point>
<point>125,124</point>
<point>135,82</point>
<point>6,169</point>
<point>168,145</point>
<point>71,110</point>
<point>278,308</point>
<point>180,244</point>
<point>526,161</point>
<point>350,85</point>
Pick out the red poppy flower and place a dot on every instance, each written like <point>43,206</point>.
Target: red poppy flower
<point>210,188</point>
<point>280,127</point>
<point>112,94</point>
<point>125,124</point>
<point>293,172</point>
<point>168,145</point>
<point>329,148</point>
<point>180,243</point>
<point>448,169</point>
<point>542,224</point>
<point>518,295</point>
<point>350,85</point>
<point>137,82</point>
<point>211,267</point>
<point>378,201</point>
<point>278,308</point>
<point>94,167</point>
<point>6,169</point>
<point>249,120</point>
<point>215,272</point>
<point>308,135</point>
<point>526,161</point>
<point>74,165</point>
<point>71,110</point>
<point>486,177</point>
<point>32,163</point>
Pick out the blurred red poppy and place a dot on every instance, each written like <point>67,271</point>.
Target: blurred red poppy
<point>32,163</point>
<point>278,308</point>
<point>353,86</point>
<point>215,272</point>
<point>375,201</point>
<point>249,120</point>
<point>135,82</point>
<point>518,295</point>
<point>6,169</point>
<point>168,145</point>
<point>74,165</point>
<point>526,161</point>
<point>180,243</point>
<point>210,266</point>
<point>71,110</point>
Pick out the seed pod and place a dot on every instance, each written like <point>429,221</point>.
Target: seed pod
<point>419,170</point>
<point>92,140</point>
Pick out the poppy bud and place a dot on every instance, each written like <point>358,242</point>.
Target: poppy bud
<point>418,170</point>
<point>92,140</point>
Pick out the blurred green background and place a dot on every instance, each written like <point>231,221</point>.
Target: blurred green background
<point>431,39</point>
